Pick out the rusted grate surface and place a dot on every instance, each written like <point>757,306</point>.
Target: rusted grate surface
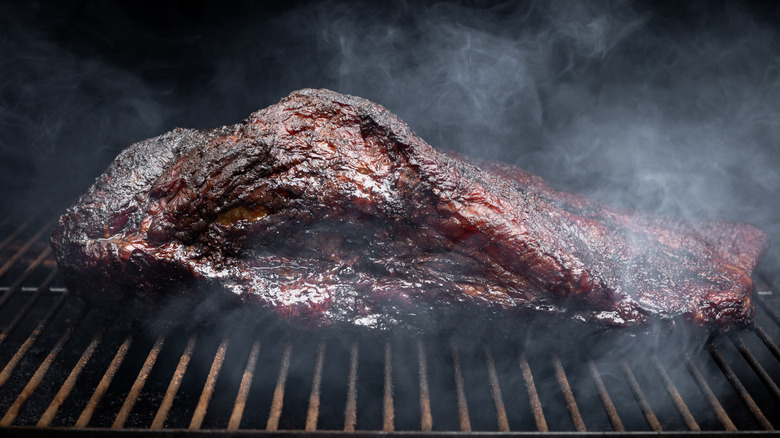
<point>66,367</point>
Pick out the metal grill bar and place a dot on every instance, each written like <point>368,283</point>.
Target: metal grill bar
<point>15,258</point>
<point>677,399</point>
<point>102,387</point>
<point>278,399</point>
<point>19,229</point>
<point>652,420</point>
<point>740,388</point>
<point>243,389</point>
<point>138,385</point>
<point>769,312</point>
<point>54,290</point>
<point>36,333</point>
<point>350,410</point>
<point>757,368</point>
<point>612,413</point>
<point>463,408</point>
<point>770,344</point>
<point>173,386</point>
<point>208,387</point>
<point>27,307</point>
<point>426,420</point>
<point>568,395</point>
<point>388,413</point>
<point>533,396</point>
<point>5,221</point>
<point>25,276</point>
<point>21,405</point>
<point>36,379</point>
<point>495,391</point>
<point>70,382</point>
<point>723,417</point>
<point>316,384</point>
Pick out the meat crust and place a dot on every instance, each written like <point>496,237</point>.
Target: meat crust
<point>327,209</point>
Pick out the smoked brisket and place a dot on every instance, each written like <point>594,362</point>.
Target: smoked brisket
<point>327,209</point>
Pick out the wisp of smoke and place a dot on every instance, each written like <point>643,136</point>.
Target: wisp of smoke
<point>666,108</point>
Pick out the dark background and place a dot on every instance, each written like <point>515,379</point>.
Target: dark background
<point>668,107</point>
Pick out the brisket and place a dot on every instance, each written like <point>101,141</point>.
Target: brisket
<point>327,209</point>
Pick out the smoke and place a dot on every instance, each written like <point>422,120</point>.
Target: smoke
<point>62,115</point>
<point>664,107</point>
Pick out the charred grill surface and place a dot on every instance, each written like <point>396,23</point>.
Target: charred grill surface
<point>328,209</point>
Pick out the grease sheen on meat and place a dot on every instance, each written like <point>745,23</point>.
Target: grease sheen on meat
<point>327,209</point>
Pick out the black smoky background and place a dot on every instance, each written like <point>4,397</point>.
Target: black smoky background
<point>666,107</point>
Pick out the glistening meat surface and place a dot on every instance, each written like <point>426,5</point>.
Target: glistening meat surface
<point>327,209</point>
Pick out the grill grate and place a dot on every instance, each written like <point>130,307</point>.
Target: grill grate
<point>67,367</point>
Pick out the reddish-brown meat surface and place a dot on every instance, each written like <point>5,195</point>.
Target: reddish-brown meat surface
<point>328,209</point>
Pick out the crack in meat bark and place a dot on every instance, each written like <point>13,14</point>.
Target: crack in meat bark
<point>327,209</point>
